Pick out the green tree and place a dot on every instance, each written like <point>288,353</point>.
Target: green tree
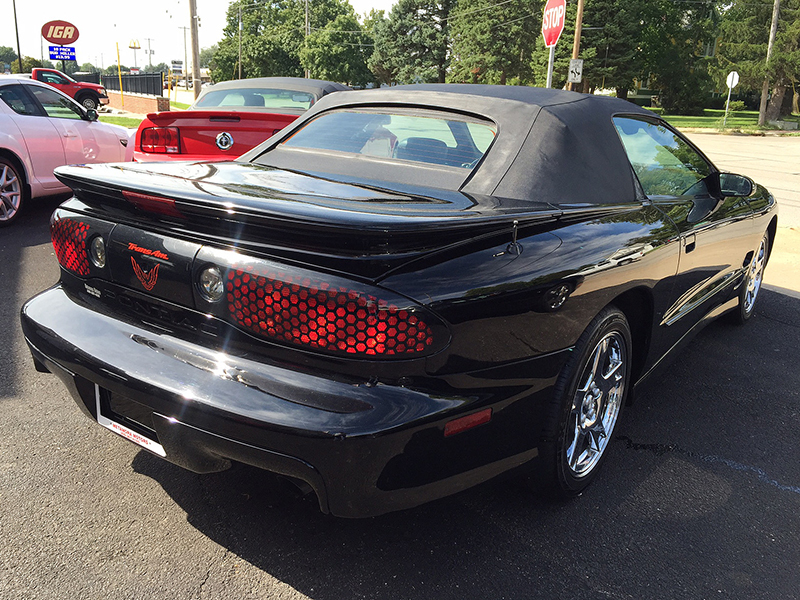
<point>28,64</point>
<point>742,47</point>
<point>272,36</point>
<point>7,55</point>
<point>339,52</point>
<point>676,41</point>
<point>412,45</point>
<point>492,42</point>
<point>614,33</point>
<point>88,68</point>
<point>159,68</point>
<point>207,56</point>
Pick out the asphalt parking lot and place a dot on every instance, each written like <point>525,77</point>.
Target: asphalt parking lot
<point>699,498</point>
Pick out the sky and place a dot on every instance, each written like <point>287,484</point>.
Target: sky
<point>103,24</point>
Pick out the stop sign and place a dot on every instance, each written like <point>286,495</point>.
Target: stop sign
<point>553,21</point>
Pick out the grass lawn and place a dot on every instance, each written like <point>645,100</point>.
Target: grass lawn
<point>178,105</point>
<point>124,121</point>
<point>712,119</point>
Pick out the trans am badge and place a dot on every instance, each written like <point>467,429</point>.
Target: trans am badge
<point>148,280</point>
<point>224,141</point>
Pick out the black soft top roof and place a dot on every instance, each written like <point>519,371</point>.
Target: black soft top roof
<point>319,87</point>
<point>551,145</point>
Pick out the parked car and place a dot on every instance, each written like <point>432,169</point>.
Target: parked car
<point>41,129</point>
<point>393,299</point>
<point>228,119</point>
<point>89,95</point>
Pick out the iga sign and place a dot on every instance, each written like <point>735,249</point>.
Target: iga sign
<point>553,21</point>
<point>60,32</point>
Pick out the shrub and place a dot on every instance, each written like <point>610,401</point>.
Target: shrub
<point>736,105</point>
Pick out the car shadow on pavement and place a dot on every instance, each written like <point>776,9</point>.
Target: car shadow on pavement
<point>696,474</point>
<point>32,228</point>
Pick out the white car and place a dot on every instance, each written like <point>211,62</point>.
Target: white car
<point>41,129</point>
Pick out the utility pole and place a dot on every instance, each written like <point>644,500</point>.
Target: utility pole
<point>185,59</point>
<point>240,41</point>
<point>195,48</point>
<point>16,28</point>
<point>149,52</point>
<point>308,31</point>
<point>762,107</point>
<point>576,44</point>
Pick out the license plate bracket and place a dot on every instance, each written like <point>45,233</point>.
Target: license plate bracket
<point>129,434</point>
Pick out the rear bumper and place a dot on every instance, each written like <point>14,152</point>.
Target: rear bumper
<point>364,449</point>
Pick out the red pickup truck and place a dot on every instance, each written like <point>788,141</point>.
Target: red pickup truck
<point>90,95</point>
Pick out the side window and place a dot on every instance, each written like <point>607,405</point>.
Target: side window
<point>18,100</point>
<point>56,105</point>
<point>662,160</point>
<point>53,78</point>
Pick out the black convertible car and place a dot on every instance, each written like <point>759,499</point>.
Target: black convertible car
<point>404,293</point>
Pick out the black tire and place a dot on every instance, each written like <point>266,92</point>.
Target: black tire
<point>589,396</point>
<point>13,191</point>
<point>89,102</point>
<point>748,294</point>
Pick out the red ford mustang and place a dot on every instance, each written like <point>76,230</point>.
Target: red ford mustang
<point>228,119</point>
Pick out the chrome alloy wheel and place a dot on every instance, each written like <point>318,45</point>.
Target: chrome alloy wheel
<point>10,192</point>
<point>754,275</point>
<point>596,404</point>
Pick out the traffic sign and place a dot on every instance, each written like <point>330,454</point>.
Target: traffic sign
<point>60,32</point>
<point>733,79</point>
<point>553,21</point>
<point>62,53</point>
<point>575,73</point>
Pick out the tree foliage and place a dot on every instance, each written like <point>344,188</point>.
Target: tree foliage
<point>339,52</point>
<point>744,35</point>
<point>7,55</point>
<point>273,37</point>
<point>413,44</point>
<point>492,41</point>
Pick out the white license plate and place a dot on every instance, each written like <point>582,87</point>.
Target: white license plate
<point>126,432</point>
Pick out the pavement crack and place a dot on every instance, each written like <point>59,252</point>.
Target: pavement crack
<point>662,449</point>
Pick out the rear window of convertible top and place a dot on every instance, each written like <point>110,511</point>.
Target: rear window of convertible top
<point>430,138</point>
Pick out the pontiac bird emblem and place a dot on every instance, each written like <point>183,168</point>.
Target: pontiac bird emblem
<point>148,280</point>
<point>224,141</point>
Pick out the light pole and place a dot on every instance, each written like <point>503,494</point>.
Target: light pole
<point>149,52</point>
<point>185,59</point>
<point>16,28</point>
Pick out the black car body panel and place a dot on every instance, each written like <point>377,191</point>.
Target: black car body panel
<point>495,278</point>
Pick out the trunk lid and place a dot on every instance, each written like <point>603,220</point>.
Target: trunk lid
<point>352,225</point>
<point>199,129</point>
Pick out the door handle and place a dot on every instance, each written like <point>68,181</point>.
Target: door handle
<point>689,242</point>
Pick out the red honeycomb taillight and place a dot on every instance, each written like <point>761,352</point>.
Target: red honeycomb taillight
<point>69,241</point>
<point>160,140</point>
<point>317,314</point>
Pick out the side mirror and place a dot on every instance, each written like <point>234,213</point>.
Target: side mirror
<point>731,184</point>
<point>91,115</point>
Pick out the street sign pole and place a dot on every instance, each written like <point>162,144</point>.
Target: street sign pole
<point>550,67</point>
<point>552,26</point>
<point>733,79</point>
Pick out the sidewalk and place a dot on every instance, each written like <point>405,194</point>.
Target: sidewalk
<point>783,271</point>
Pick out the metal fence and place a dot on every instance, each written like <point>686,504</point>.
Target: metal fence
<point>151,84</point>
<point>86,77</point>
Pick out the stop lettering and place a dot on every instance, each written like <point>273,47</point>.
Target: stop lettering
<point>553,21</point>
